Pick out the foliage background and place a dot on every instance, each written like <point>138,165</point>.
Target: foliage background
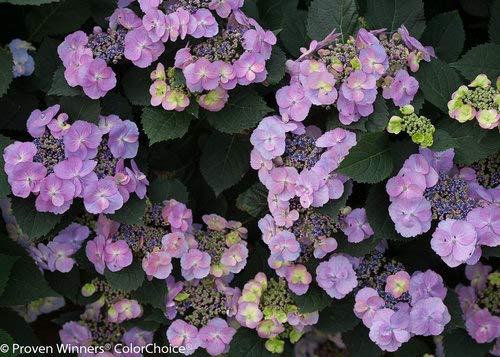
<point>202,158</point>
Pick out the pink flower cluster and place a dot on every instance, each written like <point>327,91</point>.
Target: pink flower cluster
<point>348,74</point>
<point>113,244</point>
<point>295,161</point>
<point>266,306</point>
<point>102,321</point>
<point>67,161</point>
<point>479,303</point>
<point>234,50</point>
<point>429,186</point>
<point>220,250</point>
<point>204,309</point>
<point>83,69</point>
<point>391,324</point>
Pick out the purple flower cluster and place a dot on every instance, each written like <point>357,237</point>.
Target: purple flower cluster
<point>160,235</point>
<point>396,306</point>
<point>232,49</point>
<point>480,303</point>
<point>349,74</point>
<point>67,161</point>
<point>101,323</point>
<point>267,306</point>
<point>298,161</point>
<point>429,186</point>
<point>202,310</point>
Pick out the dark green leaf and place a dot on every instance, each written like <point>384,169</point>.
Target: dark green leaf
<point>338,317</point>
<point>66,284</point>
<point>377,205</point>
<point>33,223</point>
<point>316,299</point>
<point>57,18</point>
<point>46,63</point>
<point>359,344</point>
<point>274,12</point>
<point>442,141</point>
<point>294,34</point>
<point>244,110</point>
<point>115,103</point>
<point>221,162</point>
<point>445,32</point>
<point>17,328</point>
<point>326,15</point>
<point>28,2</point>
<point>491,252</point>
<point>131,212</point>
<point>459,344</point>
<point>415,347</point>
<point>165,189</point>
<point>453,304</point>
<point>136,83</point>
<point>470,141</point>
<point>480,59</point>
<point>127,279</point>
<point>60,87</point>
<point>254,200</point>
<point>6,65</point>
<point>437,81</point>
<point>152,292</point>
<point>160,125</point>
<point>4,184</point>
<point>6,264</point>
<point>369,161</point>
<point>391,14</point>
<point>276,66</point>
<point>5,339</point>
<point>26,283</point>
<point>81,108</point>
<point>494,23</point>
<point>246,343</point>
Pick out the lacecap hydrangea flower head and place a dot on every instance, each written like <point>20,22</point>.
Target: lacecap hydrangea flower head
<point>295,248</point>
<point>163,233</point>
<point>80,160</point>
<point>203,313</point>
<point>267,306</point>
<point>348,73</point>
<point>479,100</point>
<point>463,200</point>
<point>295,161</point>
<point>24,64</point>
<point>232,49</point>
<point>395,305</point>
<point>102,322</point>
<point>480,303</point>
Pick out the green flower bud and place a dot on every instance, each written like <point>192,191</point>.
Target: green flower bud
<point>395,125</point>
<point>295,335</point>
<point>275,346</point>
<point>88,289</point>
<point>356,63</point>
<point>407,109</point>
<point>181,297</point>
<point>417,138</point>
